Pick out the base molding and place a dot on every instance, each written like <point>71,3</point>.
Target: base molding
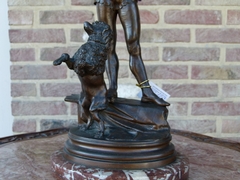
<point>82,148</point>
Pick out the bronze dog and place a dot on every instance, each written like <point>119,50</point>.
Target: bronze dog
<point>89,64</point>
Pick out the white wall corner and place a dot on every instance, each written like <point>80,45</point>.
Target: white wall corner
<point>6,118</point>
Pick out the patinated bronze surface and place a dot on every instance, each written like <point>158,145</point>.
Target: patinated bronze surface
<point>128,13</point>
<point>114,132</point>
<point>89,64</point>
<point>136,136</point>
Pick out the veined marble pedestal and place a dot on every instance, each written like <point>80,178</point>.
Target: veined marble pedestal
<point>178,170</point>
<point>27,156</point>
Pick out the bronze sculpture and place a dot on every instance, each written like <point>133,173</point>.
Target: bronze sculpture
<point>115,132</point>
<point>128,13</point>
<point>89,64</point>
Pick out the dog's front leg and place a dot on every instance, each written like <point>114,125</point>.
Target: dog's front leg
<point>88,116</point>
<point>84,112</point>
<point>95,116</point>
<point>63,58</point>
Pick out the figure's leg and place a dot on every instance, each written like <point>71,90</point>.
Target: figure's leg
<point>108,15</point>
<point>129,16</point>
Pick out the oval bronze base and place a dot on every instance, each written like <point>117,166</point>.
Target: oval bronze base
<point>147,153</point>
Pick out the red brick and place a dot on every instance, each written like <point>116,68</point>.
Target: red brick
<point>218,35</point>
<point>193,17</point>
<point>145,2</point>
<point>18,17</point>
<point>21,108</point>
<point>37,36</point>
<point>149,17</point>
<point>22,54</point>
<point>146,17</point>
<point>233,17</point>
<point>167,72</point>
<point>159,35</point>
<point>81,3</point>
<point>59,89</point>
<point>233,55</point>
<point>24,125</point>
<point>165,2</point>
<point>120,35</point>
<point>148,53</point>
<point>74,110</point>
<point>77,35</point>
<point>197,126</point>
<point>165,35</point>
<point>230,126</point>
<point>23,89</point>
<point>216,108</point>
<point>65,17</point>
<point>231,90</point>
<point>217,2</point>
<point>50,54</point>
<point>148,2</point>
<point>178,109</point>
<point>216,72</point>
<point>35,3</point>
<point>38,72</point>
<point>123,71</point>
<point>191,90</point>
<point>190,54</point>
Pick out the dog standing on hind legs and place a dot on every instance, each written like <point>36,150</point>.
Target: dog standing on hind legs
<point>89,64</point>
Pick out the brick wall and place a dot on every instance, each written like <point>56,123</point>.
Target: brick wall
<point>191,49</point>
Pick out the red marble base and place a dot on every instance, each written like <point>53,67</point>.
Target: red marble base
<point>178,170</point>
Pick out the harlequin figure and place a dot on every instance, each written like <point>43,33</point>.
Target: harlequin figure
<point>128,13</point>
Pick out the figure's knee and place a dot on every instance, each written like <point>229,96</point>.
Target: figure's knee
<point>134,48</point>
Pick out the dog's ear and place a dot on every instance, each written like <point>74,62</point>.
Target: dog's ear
<point>88,28</point>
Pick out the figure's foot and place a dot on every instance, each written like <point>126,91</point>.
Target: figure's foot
<point>154,99</point>
<point>111,94</point>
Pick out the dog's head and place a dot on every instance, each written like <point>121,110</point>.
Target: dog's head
<point>91,60</point>
<point>99,32</point>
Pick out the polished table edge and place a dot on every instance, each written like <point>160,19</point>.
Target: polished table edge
<point>234,145</point>
<point>33,135</point>
<point>191,135</point>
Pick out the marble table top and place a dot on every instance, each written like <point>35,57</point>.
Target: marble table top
<point>28,157</point>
